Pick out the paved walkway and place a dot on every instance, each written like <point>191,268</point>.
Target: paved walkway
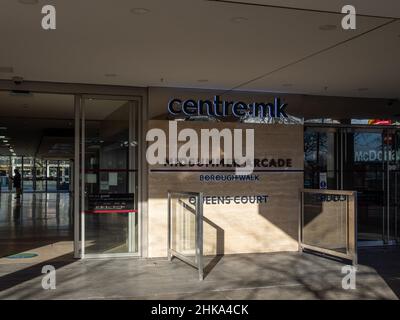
<point>250,276</point>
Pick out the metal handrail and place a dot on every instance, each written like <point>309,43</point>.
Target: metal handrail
<point>326,191</point>
<point>184,193</point>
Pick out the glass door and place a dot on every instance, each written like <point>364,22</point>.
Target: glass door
<point>109,190</point>
<point>40,175</point>
<point>322,158</point>
<point>361,159</point>
<point>364,171</point>
<point>394,221</point>
<point>52,175</point>
<point>28,181</point>
<point>64,168</point>
<point>5,174</point>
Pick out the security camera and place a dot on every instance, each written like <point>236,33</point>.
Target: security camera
<point>17,80</point>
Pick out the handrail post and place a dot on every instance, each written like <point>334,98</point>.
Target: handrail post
<point>199,238</point>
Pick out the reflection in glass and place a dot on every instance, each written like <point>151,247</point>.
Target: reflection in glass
<point>183,225</point>
<point>110,170</point>
<point>5,173</point>
<point>365,172</point>
<point>320,159</point>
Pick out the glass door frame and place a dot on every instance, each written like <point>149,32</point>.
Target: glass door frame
<point>341,135</point>
<point>382,131</point>
<point>79,179</point>
<point>392,172</point>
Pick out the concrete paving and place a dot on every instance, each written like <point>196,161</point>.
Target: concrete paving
<point>248,276</point>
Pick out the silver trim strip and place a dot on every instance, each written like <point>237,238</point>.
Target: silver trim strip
<point>76,177</point>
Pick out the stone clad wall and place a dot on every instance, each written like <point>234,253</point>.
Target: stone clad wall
<point>237,227</point>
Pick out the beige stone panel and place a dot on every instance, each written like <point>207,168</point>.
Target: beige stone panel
<point>271,141</point>
<point>237,228</point>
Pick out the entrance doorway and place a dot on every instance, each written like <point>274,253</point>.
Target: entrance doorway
<point>37,141</point>
<point>78,159</point>
<point>365,159</point>
<point>109,177</point>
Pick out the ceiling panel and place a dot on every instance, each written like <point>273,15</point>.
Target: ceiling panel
<point>355,69</point>
<point>385,8</point>
<point>195,44</point>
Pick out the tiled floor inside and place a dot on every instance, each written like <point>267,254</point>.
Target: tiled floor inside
<point>36,223</point>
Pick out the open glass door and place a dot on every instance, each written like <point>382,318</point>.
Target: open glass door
<point>109,178</point>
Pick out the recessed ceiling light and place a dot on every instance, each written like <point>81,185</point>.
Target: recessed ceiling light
<point>327,27</point>
<point>140,11</point>
<point>239,19</point>
<point>202,80</point>
<point>6,69</point>
<point>28,1</point>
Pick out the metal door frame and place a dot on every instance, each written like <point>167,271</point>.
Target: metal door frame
<point>341,134</point>
<point>139,94</point>
<point>79,181</point>
<point>395,237</point>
